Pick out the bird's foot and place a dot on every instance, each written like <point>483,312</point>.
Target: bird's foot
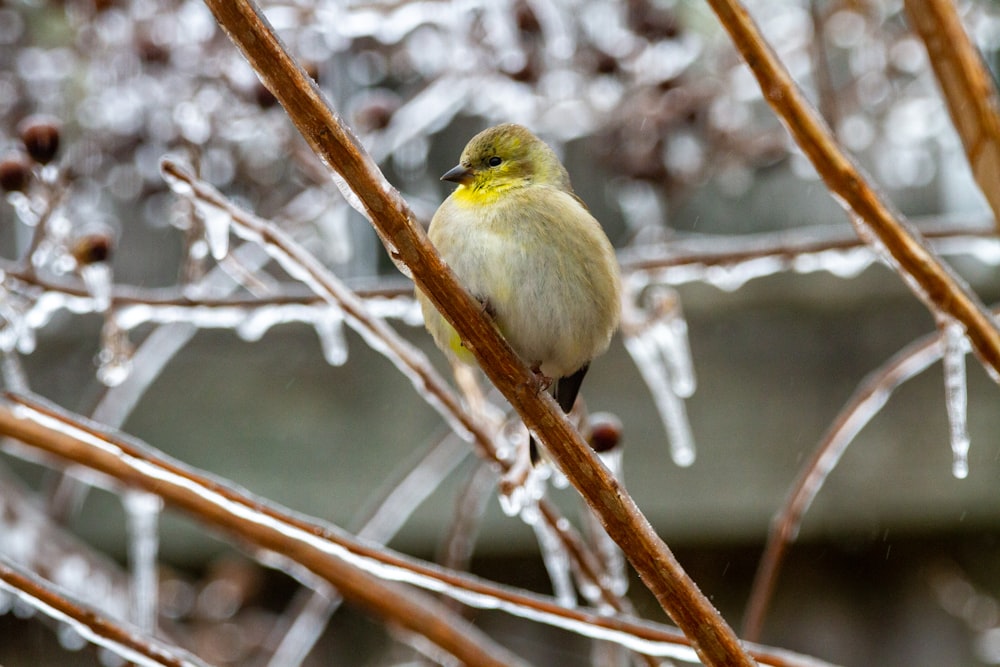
<point>542,380</point>
<point>488,308</point>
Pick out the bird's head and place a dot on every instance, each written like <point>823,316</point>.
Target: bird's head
<point>504,157</point>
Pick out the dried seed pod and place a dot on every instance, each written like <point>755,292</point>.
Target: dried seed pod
<point>15,172</point>
<point>40,135</point>
<point>92,248</point>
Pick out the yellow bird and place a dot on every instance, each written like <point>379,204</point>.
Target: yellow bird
<point>521,241</point>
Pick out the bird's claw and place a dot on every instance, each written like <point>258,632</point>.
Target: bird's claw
<point>543,381</point>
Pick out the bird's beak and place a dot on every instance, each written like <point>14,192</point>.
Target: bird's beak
<point>459,174</point>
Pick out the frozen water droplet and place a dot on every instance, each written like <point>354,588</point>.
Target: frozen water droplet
<point>22,609</point>
<point>108,658</point>
<point>115,372</point>
<point>70,639</point>
<point>97,279</point>
<point>330,330</point>
<point>513,502</point>
<point>26,213</point>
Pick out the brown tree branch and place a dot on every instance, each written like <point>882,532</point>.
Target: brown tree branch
<point>968,89</point>
<point>875,220</point>
<point>251,521</point>
<point>91,624</point>
<point>407,243</point>
<point>864,404</point>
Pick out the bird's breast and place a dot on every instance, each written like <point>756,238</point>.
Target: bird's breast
<point>545,268</point>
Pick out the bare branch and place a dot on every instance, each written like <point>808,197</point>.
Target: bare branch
<point>91,624</point>
<point>863,405</point>
<point>875,220</point>
<point>968,89</point>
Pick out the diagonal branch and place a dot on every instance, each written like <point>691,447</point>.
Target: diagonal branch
<point>874,219</point>
<point>90,623</point>
<point>968,89</point>
<point>406,242</point>
<point>867,400</point>
<point>312,546</point>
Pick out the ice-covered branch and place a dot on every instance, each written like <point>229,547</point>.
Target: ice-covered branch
<point>729,261</point>
<point>726,261</point>
<point>361,572</point>
<point>874,218</point>
<point>303,266</point>
<point>968,89</point>
<point>89,623</point>
<point>355,570</point>
<point>866,402</point>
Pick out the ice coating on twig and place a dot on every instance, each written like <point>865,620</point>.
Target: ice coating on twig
<point>955,347</point>
<point>306,628</point>
<point>615,575</point>
<point>87,625</point>
<point>97,279</point>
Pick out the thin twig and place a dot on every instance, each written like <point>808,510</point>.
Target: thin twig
<point>875,220</point>
<point>968,89</point>
<point>951,237</point>
<point>90,623</point>
<point>863,405</point>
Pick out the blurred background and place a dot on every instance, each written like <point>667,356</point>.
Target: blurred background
<point>666,138</point>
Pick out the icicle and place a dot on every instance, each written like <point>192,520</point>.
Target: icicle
<point>659,348</point>
<point>97,279</point>
<point>956,395</point>
<point>557,563</point>
<point>670,334</point>
<point>671,408</point>
<point>142,512</point>
<point>217,222</point>
<point>330,330</point>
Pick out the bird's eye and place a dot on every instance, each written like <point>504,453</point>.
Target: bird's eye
<point>494,161</point>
